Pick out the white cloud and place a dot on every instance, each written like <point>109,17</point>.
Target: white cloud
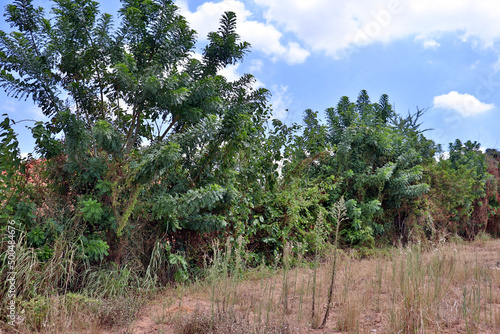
<point>336,26</point>
<point>256,65</point>
<point>280,101</point>
<point>465,104</point>
<point>231,73</point>
<point>22,110</point>
<point>296,54</point>
<point>37,114</point>
<point>9,106</point>
<point>197,56</point>
<point>443,156</point>
<point>263,37</point>
<point>428,42</point>
<point>431,44</point>
<point>206,17</point>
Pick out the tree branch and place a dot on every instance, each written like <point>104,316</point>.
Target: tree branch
<point>176,118</point>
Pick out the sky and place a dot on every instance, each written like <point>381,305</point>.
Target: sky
<point>439,55</point>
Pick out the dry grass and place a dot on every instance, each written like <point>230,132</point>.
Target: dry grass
<point>447,288</point>
<point>42,308</point>
<point>204,323</point>
<point>75,313</point>
<point>450,288</point>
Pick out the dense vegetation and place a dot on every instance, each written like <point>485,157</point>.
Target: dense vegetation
<point>149,156</point>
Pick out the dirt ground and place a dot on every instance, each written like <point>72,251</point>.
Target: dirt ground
<point>448,289</point>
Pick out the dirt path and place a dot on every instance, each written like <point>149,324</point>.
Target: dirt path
<point>161,315</point>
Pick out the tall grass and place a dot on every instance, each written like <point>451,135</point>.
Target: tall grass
<point>64,294</point>
<point>427,289</point>
<point>340,214</point>
<point>413,289</point>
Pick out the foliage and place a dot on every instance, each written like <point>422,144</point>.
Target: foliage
<point>94,249</point>
<point>223,48</point>
<point>10,164</point>
<point>106,90</point>
<point>375,158</point>
<point>149,156</point>
<point>457,185</point>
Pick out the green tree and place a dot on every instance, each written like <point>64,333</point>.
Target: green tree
<point>458,190</point>
<point>223,48</point>
<point>111,88</point>
<point>375,162</point>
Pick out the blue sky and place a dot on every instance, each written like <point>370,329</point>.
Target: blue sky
<point>440,55</point>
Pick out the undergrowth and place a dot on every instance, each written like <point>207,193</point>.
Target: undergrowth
<point>407,289</point>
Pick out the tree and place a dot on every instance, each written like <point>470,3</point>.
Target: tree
<point>223,48</point>
<point>133,105</point>
<point>459,190</point>
<point>376,165</point>
<point>363,104</point>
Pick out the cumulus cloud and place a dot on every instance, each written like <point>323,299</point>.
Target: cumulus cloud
<point>465,104</point>
<point>296,54</point>
<point>428,42</point>
<point>231,73</point>
<point>335,26</point>
<point>264,37</point>
<point>256,65</point>
<point>431,44</point>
